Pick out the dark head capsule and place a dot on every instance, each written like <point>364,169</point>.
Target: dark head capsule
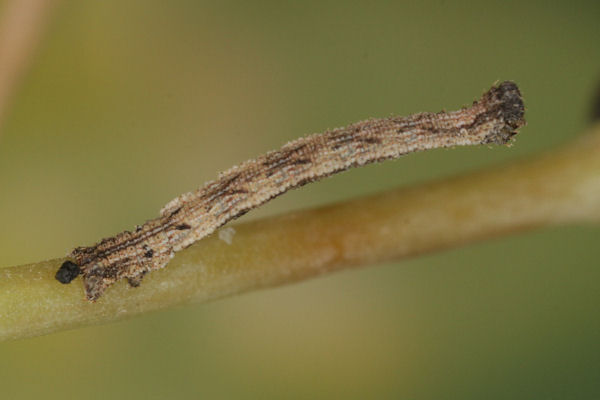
<point>67,272</point>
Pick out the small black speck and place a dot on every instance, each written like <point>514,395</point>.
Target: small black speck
<point>149,253</point>
<point>67,272</point>
<point>182,227</point>
<point>301,161</point>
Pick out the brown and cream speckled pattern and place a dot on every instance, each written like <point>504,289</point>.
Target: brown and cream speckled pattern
<point>495,118</point>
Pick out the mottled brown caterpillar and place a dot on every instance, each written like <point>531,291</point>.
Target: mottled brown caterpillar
<point>495,118</point>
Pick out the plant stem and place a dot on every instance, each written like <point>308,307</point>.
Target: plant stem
<point>558,187</point>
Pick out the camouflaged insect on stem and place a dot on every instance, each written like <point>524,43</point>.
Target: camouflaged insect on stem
<point>495,118</point>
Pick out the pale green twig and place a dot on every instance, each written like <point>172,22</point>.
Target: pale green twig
<point>559,187</point>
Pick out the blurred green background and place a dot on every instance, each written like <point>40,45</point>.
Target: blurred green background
<point>129,103</point>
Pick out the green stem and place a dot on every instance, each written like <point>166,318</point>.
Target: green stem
<point>559,187</point>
